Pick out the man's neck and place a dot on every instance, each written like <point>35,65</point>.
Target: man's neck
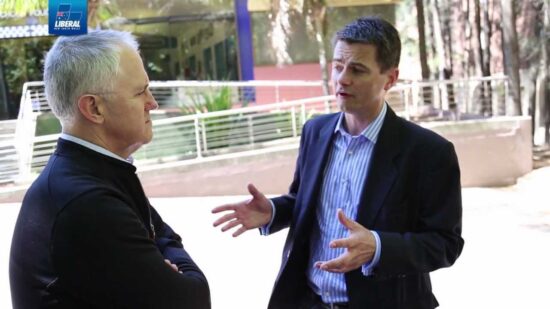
<point>95,137</point>
<point>355,123</point>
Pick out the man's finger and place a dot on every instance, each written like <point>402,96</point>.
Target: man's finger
<point>174,267</point>
<point>225,218</point>
<point>340,243</point>
<point>241,230</point>
<point>223,208</point>
<point>334,265</point>
<point>230,225</point>
<point>348,223</point>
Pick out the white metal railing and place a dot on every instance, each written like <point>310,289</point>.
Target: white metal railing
<point>208,134</point>
<point>453,99</point>
<point>199,135</point>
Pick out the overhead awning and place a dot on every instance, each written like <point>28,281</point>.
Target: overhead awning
<point>24,31</point>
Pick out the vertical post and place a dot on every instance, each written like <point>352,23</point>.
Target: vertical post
<point>406,92</point>
<point>204,137</point>
<point>197,136</point>
<point>506,95</point>
<point>250,129</point>
<point>293,115</point>
<point>24,134</point>
<point>244,37</point>
<point>415,96</point>
<point>303,113</point>
<point>464,96</point>
<point>245,52</point>
<point>327,105</point>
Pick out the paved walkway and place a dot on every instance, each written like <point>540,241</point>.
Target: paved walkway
<point>505,262</point>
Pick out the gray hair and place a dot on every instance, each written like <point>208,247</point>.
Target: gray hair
<point>81,64</point>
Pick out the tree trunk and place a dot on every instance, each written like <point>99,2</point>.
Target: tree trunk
<point>479,59</point>
<point>544,95</point>
<point>93,19</point>
<point>444,61</point>
<point>511,53</point>
<point>432,41</point>
<point>425,69</point>
<point>318,14</point>
<point>486,39</point>
<point>445,16</point>
<point>280,29</point>
<point>422,40</point>
<point>483,56</point>
<point>470,54</point>
<point>486,48</point>
<point>4,111</point>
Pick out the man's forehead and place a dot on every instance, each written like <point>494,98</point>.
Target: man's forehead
<point>353,51</point>
<point>132,75</point>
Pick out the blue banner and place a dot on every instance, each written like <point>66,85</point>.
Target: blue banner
<point>67,17</point>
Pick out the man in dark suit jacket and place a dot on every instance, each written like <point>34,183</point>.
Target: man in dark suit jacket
<point>86,235</point>
<point>398,182</point>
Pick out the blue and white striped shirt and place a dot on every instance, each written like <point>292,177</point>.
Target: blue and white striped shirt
<point>343,182</point>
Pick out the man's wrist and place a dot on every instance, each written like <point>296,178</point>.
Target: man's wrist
<point>368,268</point>
<point>264,230</point>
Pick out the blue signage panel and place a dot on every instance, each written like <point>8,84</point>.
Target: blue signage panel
<point>67,17</point>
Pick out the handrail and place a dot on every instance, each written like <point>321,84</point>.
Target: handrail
<point>208,135</point>
<point>265,107</point>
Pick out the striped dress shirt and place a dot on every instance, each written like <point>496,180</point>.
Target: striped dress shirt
<point>343,182</point>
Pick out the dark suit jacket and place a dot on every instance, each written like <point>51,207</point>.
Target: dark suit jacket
<point>87,237</point>
<point>411,198</point>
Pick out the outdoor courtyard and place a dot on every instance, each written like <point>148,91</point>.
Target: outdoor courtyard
<point>504,263</point>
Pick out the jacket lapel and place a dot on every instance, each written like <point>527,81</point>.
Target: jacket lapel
<point>382,171</point>
<point>319,146</point>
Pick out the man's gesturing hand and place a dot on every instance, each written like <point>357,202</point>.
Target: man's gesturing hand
<point>360,247</point>
<point>254,213</point>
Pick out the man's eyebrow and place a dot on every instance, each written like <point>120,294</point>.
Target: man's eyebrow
<point>144,87</point>
<point>359,64</point>
<point>353,63</point>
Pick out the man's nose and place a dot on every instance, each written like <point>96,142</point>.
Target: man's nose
<point>151,103</point>
<point>343,78</point>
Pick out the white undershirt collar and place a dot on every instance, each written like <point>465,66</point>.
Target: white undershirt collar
<point>95,147</point>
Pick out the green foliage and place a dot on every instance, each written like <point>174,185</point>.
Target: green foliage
<point>217,129</point>
<point>47,124</point>
<point>22,60</point>
<point>211,101</point>
<point>22,8</point>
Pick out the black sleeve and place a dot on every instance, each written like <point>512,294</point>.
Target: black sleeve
<point>170,246</point>
<point>436,241</point>
<point>104,256</point>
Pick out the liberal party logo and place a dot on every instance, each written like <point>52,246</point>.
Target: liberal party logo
<point>67,18</point>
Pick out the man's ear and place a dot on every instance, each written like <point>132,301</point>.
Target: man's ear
<point>393,75</point>
<point>88,105</point>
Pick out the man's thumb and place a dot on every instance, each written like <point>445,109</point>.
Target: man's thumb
<point>348,223</point>
<point>254,191</point>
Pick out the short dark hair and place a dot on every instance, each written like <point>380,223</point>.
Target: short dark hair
<point>378,32</point>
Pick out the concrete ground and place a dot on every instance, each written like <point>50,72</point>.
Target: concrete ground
<point>505,262</point>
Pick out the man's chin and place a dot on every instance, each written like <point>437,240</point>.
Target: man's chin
<point>135,147</point>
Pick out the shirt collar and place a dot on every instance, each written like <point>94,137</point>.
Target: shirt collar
<point>94,147</point>
<point>371,131</point>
